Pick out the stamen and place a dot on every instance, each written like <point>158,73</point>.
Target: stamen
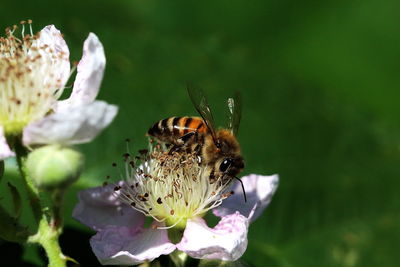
<point>171,188</point>
<point>30,79</point>
<point>169,227</point>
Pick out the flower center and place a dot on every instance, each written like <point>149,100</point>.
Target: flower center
<point>30,80</point>
<point>172,187</point>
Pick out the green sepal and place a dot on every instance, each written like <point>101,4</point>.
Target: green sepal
<point>175,234</point>
<point>178,258</point>
<point>16,199</point>
<point>10,230</point>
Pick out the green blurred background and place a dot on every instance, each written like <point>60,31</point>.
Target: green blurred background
<point>320,87</point>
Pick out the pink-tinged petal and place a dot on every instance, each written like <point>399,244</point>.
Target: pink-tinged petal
<point>99,207</point>
<point>130,245</point>
<point>226,241</point>
<point>90,73</point>
<point>74,125</point>
<point>53,40</point>
<point>5,151</point>
<point>259,191</point>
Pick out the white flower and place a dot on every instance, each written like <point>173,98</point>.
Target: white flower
<point>33,72</point>
<point>176,194</point>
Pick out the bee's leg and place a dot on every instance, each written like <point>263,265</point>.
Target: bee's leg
<point>175,148</point>
<point>212,176</point>
<point>183,141</point>
<point>189,136</point>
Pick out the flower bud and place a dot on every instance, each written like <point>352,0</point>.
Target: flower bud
<point>54,166</point>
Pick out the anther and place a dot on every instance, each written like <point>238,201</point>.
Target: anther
<point>143,151</point>
<point>142,198</point>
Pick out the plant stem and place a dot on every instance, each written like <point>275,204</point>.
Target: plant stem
<point>49,229</point>
<point>1,169</point>
<point>33,192</point>
<point>58,199</point>
<point>47,237</point>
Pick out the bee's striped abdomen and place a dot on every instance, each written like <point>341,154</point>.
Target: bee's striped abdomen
<point>190,124</point>
<point>171,129</point>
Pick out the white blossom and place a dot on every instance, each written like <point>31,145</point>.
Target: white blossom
<point>34,70</point>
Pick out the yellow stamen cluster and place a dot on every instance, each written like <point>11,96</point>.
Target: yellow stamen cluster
<point>172,188</point>
<point>30,79</point>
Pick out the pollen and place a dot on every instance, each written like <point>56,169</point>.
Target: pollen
<point>30,77</point>
<point>172,188</point>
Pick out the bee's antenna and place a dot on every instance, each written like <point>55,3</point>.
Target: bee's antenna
<point>244,192</point>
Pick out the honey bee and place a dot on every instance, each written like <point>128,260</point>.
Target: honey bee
<point>216,148</point>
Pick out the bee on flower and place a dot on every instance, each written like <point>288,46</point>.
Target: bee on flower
<point>174,190</point>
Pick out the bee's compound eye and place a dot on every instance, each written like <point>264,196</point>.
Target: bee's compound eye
<point>225,164</point>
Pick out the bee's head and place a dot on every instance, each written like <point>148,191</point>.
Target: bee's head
<point>231,166</point>
<point>226,143</point>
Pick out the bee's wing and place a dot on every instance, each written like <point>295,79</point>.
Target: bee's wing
<point>235,112</point>
<point>199,101</point>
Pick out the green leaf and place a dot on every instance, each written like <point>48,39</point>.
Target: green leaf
<point>10,230</point>
<point>16,199</point>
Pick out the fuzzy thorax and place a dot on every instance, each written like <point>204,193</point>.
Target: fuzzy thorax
<point>172,188</point>
<point>30,80</point>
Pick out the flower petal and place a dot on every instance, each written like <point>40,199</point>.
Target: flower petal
<point>259,192</point>
<point>226,241</point>
<point>5,150</point>
<point>74,125</point>
<point>52,38</point>
<point>99,207</point>
<point>130,245</point>
<point>90,73</point>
